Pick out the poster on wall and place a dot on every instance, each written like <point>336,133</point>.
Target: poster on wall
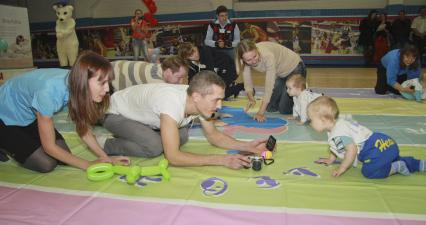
<point>15,40</point>
<point>115,42</point>
<point>313,37</point>
<point>293,35</point>
<point>334,37</point>
<point>296,36</point>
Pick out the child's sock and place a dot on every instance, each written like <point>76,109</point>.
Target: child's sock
<point>422,166</point>
<point>399,167</point>
<point>418,96</point>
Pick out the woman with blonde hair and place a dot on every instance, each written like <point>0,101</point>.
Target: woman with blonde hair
<point>278,63</point>
<point>28,102</point>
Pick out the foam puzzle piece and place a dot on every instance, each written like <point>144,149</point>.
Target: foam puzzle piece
<point>241,118</point>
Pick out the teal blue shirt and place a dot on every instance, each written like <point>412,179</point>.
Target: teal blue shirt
<point>41,90</point>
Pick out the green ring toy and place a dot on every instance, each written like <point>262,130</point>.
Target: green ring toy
<point>100,171</point>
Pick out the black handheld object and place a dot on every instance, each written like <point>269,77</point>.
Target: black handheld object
<point>256,163</point>
<point>270,145</point>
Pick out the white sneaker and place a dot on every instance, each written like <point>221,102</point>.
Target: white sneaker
<point>101,139</point>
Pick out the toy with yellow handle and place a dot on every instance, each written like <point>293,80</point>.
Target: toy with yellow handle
<point>266,155</point>
<point>104,171</point>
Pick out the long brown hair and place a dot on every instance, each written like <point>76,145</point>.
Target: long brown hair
<point>409,50</point>
<point>244,46</point>
<point>82,109</point>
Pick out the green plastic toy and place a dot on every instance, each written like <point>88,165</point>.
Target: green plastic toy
<point>104,171</point>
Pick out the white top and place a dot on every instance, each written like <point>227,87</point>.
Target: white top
<point>348,128</point>
<point>301,104</point>
<point>145,102</point>
<point>419,23</point>
<point>417,86</point>
<point>276,61</point>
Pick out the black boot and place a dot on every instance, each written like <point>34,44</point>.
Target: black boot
<point>3,156</point>
<point>237,89</point>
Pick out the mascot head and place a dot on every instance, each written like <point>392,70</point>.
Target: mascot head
<point>63,13</point>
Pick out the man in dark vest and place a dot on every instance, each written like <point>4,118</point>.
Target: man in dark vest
<point>222,34</point>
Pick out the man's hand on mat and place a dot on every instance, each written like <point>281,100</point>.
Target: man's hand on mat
<point>236,161</point>
<point>251,103</point>
<point>257,146</point>
<point>259,117</point>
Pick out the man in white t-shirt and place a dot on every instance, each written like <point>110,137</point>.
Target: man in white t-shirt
<point>148,119</point>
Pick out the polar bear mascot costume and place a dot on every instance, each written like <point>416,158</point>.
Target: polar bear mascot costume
<point>67,42</point>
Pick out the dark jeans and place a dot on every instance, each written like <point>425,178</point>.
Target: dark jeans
<point>21,142</point>
<point>368,52</point>
<point>228,51</point>
<point>420,43</point>
<point>382,85</point>
<point>280,100</point>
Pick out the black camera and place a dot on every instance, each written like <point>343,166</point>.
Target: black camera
<point>256,162</point>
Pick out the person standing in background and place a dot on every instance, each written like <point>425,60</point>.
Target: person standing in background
<point>382,40</point>
<point>139,33</point>
<point>367,29</point>
<point>419,31</point>
<point>222,34</point>
<point>400,29</point>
